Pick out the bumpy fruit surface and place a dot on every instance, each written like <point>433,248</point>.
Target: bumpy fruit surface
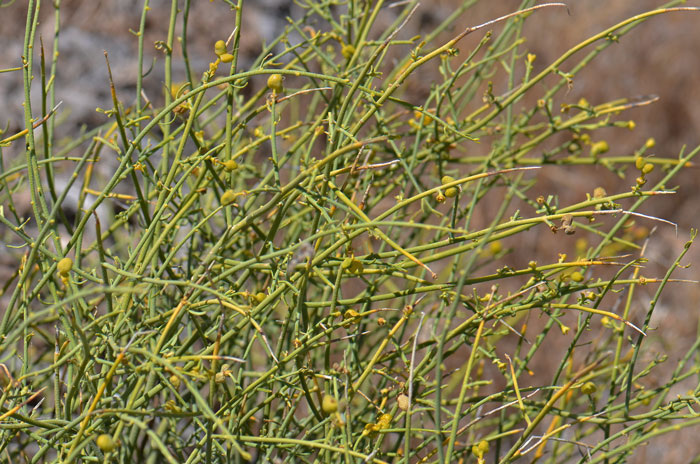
<point>64,266</point>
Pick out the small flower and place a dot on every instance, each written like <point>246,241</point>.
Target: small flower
<point>347,51</point>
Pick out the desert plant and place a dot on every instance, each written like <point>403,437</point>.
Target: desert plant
<point>310,261</point>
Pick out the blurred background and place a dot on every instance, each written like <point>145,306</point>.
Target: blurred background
<point>659,57</point>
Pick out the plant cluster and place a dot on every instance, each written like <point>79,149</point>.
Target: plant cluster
<point>302,267</point>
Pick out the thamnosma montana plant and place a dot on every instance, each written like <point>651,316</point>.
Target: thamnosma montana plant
<point>310,261</point>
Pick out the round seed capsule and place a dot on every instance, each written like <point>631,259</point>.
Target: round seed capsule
<point>352,315</point>
<point>577,277</point>
<point>274,83</point>
<point>105,443</point>
<point>588,388</point>
<point>230,165</point>
<point>402,401</point>
<point>64,266</point>
<point>647,168</point>
<point>220,47</point>
<point>226,58</point>
<point>228,197</point>
<point>451,192</point>
<point>639,162</point>
<point>329,404</point>
<point>599,148</point>
<point>447,179</point>
<point>356,267</point>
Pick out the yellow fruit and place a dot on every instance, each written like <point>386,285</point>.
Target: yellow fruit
<point>588,388</point>
<point>274,83</point>
<point>64,266</point>
<point>175,381</point>
<point>577,277</point>
<point>329,404</point>
<point>447,179</point>
<point>639,162</point>
<point>451,192</point>
<point>352,315</point>
<point>599,148</point>
<point>220,47</point>
<point>260,297</point>
<point>402,401</point>
<point>356,267</point>
<point>647,168</point>
<point>105,443</point>
<point>228,197</point>
<point>230,165</point>
<point>226,58</point>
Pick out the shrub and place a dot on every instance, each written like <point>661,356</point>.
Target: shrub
<point>322,256</point>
